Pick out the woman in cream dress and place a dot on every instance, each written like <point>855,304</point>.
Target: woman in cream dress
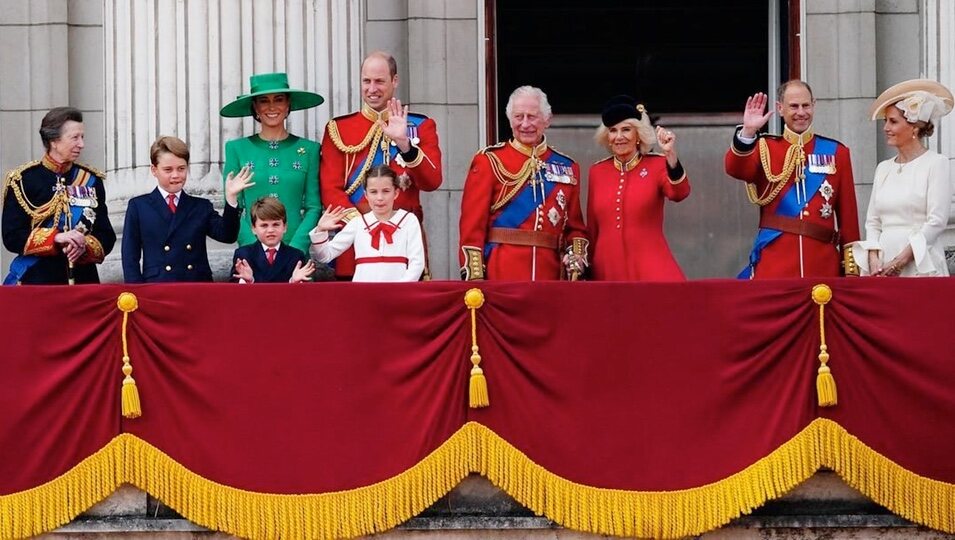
<point>912,192</point>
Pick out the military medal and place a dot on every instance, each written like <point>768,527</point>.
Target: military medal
<point>81,196</point>
<point>404,181</point>
<point>826,190</point>
<point>643,172</point>
<point>822,163</point>
<point>413,134</point>
<point>89,214</point>
<point>553,215</point>
<point>561,200</point>
<point>826,210</point>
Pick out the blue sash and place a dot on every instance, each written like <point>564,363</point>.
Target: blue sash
<point>524,204</point>
<point>22,263</point>
<point>377,157</point>
<point>789,206</point>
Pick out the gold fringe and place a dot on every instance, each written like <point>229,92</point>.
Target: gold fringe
<point>475,448</point>
<point>131,406</point>
<point>825,382</point>
<point>477,386</point>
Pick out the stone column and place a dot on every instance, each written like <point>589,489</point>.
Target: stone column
<point>52,56</point>
<point>841,59</point>
<point>435,43</point>
<point>939,55</point>
<point>171,65</point>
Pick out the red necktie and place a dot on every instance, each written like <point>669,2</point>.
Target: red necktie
<point>172,202</point>
<point>385,229</point>
<point>270,255</point>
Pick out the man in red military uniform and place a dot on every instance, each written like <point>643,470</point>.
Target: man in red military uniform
<point>520,210</point>
<point>802,183</point>
<point>382,132</point>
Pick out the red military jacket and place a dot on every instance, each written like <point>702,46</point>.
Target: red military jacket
<point>353,143</point>
<point>799,251</point>
<point>519,211</point>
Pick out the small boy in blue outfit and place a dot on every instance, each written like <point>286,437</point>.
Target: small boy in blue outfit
<point>270,260</point>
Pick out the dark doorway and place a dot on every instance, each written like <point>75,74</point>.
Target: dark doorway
<point>691,56</point>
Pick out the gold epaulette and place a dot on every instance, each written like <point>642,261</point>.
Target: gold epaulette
<point>96,172</point>
<point>604,159</point>
<point>37,213</point>
<point>15,175</point>
<point>492,147</point>
<point>561,154</point>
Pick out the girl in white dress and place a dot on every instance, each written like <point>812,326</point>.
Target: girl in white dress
<point>912,192</point>
<point>388,243</point>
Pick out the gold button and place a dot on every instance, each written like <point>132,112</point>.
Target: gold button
<point>168,268</point>
<point>165,248</point>
<point>188,247</point>
<point>189,267</point>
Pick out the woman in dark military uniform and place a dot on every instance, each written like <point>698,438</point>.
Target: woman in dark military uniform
<point>54,210</point>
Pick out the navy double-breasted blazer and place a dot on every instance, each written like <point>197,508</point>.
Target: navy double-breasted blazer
<point>172,246</point>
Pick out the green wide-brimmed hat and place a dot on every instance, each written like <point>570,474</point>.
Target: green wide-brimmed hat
<point>270,83</point>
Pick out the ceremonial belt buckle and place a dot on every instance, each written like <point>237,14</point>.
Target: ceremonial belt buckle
<point>521,237</point>
<point>802,228</point>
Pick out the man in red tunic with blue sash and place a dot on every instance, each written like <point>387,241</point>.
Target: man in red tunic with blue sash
<point>381,133</point>
<point>520,210</point>
<point>802,183</point>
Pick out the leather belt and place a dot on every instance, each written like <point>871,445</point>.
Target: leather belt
<point>800,227</point>
<point>521,237</point>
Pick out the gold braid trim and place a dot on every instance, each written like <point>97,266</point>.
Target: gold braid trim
<point>336,138</point>
<point>795,160</point>
<point>475,448</point>
<point>55,207</point>
<point>376,137</point>
<point>91,169</point>
<point>515,181</point>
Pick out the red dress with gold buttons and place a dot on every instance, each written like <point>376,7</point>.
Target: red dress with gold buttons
<point>625,219</point>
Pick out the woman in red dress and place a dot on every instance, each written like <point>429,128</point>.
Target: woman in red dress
<point>626,195</point>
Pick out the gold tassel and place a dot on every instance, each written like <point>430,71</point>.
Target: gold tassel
<point>128,303</point>
<point>477,389</point>
<point>825,382</point>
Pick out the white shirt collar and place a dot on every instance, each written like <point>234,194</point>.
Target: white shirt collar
<point>165,194</point>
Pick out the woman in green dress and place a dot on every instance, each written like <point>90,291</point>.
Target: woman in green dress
<point>285,166</point>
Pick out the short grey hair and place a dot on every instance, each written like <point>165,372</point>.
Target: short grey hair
<point>531,91</point>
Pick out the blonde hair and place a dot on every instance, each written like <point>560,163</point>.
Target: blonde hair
<point>602,135</point>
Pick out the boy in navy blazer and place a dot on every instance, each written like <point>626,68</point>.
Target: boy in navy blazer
<point>167,228</point>
<point>270,260</point>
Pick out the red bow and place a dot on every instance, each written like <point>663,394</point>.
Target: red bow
<point>385,229</point>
